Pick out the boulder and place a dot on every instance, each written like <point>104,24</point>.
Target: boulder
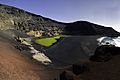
<point>78,69</point>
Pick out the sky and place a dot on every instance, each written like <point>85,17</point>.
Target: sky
<point>102,12</point>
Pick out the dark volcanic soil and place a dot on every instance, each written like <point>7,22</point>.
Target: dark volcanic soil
<point>95,70</point>
<point>103,70</point>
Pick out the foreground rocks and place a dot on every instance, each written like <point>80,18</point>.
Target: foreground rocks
<point>78,69</point>
<point>105,53</point>
<point>74,72</point>
<point>67,75</point>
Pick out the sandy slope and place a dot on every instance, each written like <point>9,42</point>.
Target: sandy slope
<point>15,66</point>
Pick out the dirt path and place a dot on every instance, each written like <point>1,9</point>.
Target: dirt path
<point>14,66</point>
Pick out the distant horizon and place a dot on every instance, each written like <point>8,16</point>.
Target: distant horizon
<point>105,13</point>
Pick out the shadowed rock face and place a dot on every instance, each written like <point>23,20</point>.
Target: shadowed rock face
<point>105,53</point>
<point>78,69</point>
<point>66,75</point>
<point>73,73</point>
<point>87,28</point>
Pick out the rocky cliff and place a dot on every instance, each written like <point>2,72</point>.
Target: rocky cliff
<point>18,19</point>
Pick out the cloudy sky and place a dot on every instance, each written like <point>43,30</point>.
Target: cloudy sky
<point>103,12</point>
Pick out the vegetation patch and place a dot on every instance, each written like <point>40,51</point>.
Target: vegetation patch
<point>47,41</point>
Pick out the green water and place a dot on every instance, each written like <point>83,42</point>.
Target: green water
<point>47,41</point>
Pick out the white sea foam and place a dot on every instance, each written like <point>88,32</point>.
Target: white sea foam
<point>109,41</point>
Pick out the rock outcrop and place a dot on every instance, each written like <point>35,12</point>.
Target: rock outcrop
<point>105,53</point>
<point>87,28</point>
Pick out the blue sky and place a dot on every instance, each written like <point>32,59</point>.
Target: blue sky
<point>103,12</point>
